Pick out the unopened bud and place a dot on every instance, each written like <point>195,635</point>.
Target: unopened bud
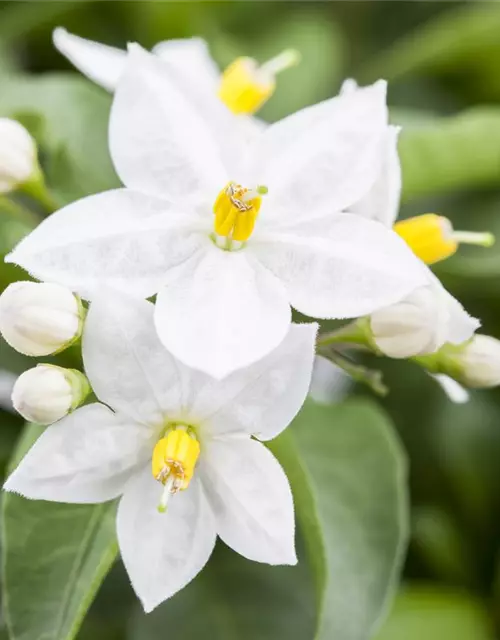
<point>39,319</point>
<point>18,155</point>
<point>47,393</point>
<point>410,327</point>
<point>479,362</point>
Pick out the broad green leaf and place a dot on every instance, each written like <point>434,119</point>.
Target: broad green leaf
<point>72,120</point>
<point>55,556</point>
<point>235,598</point>
<point>463,37</point>
<point>436,613</point>
<point>453,153</point>
<point>348,474</point>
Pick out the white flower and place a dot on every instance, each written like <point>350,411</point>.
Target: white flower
<point>225,283</point>
<point>38,319</point>
<point>479,362</point>
<point>224,482</point>
<point>436,316</point>
<point>18,161</point>
<point>47,393</point>
<point>243,87</point>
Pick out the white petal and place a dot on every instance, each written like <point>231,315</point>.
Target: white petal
<point>87,457</point>
<point>192,61</point>
<point>261,399</point>
<point>342,266</point>
<point>251,498</point>
<point>219,312</point>
<point>382,201</point>
<point>460,326</point>
<point>162,552</point>
<point>121,238</point>
<point>127,365</point>
<point>99,62</point>
<point>323,158</point>
<point>454,390</point>
<point>159,140</point>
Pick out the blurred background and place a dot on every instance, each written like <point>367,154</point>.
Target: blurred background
<point>442,60</point>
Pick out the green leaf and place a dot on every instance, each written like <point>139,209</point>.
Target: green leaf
<point>453,153</point>
<point>71,117</point>
<point>348,474</point>
<point>235,598</point>
<point>433,613</point>
<point>463,37</point>
<point>54,556</point>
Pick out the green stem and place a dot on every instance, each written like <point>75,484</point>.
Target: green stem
<point>356,333</point>
<point>18,212</point>
<point>370,377</point>
<point>37,189</point>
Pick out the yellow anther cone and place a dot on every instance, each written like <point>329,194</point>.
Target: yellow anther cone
<point>245,86</point>
<point>175,455</point>
<point>241,88</point>
<point>235,212</point>
<point>429,236</point>
<point>432,237</point>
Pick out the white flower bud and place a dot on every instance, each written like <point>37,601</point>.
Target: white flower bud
<point>18,155</point>
<point>414,326</point>
<point>38,319</point>
<point>47,393</point>
<point>479,361</point>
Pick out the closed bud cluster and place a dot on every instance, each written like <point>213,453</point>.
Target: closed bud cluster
<point>47,393</point>
<point>18,155</point>
<point>39,319</point>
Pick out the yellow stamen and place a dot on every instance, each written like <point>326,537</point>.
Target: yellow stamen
<point>432,237</point>
<point>236,209</point>
<point>173,462</point>
<point>245,86</point>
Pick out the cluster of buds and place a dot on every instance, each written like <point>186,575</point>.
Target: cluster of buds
<point>40,319</point>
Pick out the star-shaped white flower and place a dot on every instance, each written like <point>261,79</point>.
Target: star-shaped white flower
<point>197,434</point>
<point>447,320</point>
<point>225,283</point>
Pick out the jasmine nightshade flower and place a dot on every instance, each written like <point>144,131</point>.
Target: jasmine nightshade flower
<point>243,87</point>
<point>228,233</point>
<point>177,446</point>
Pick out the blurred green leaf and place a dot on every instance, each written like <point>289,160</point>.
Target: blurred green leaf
<point>462,37</point>
<point>20,18</point>
<point>453,153</point>
<point>235,598</point>
<point>71,117</point>
<point>348,474</point>
<point>441,544</point>
<point>433,613</point>
<point>55,556</point>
